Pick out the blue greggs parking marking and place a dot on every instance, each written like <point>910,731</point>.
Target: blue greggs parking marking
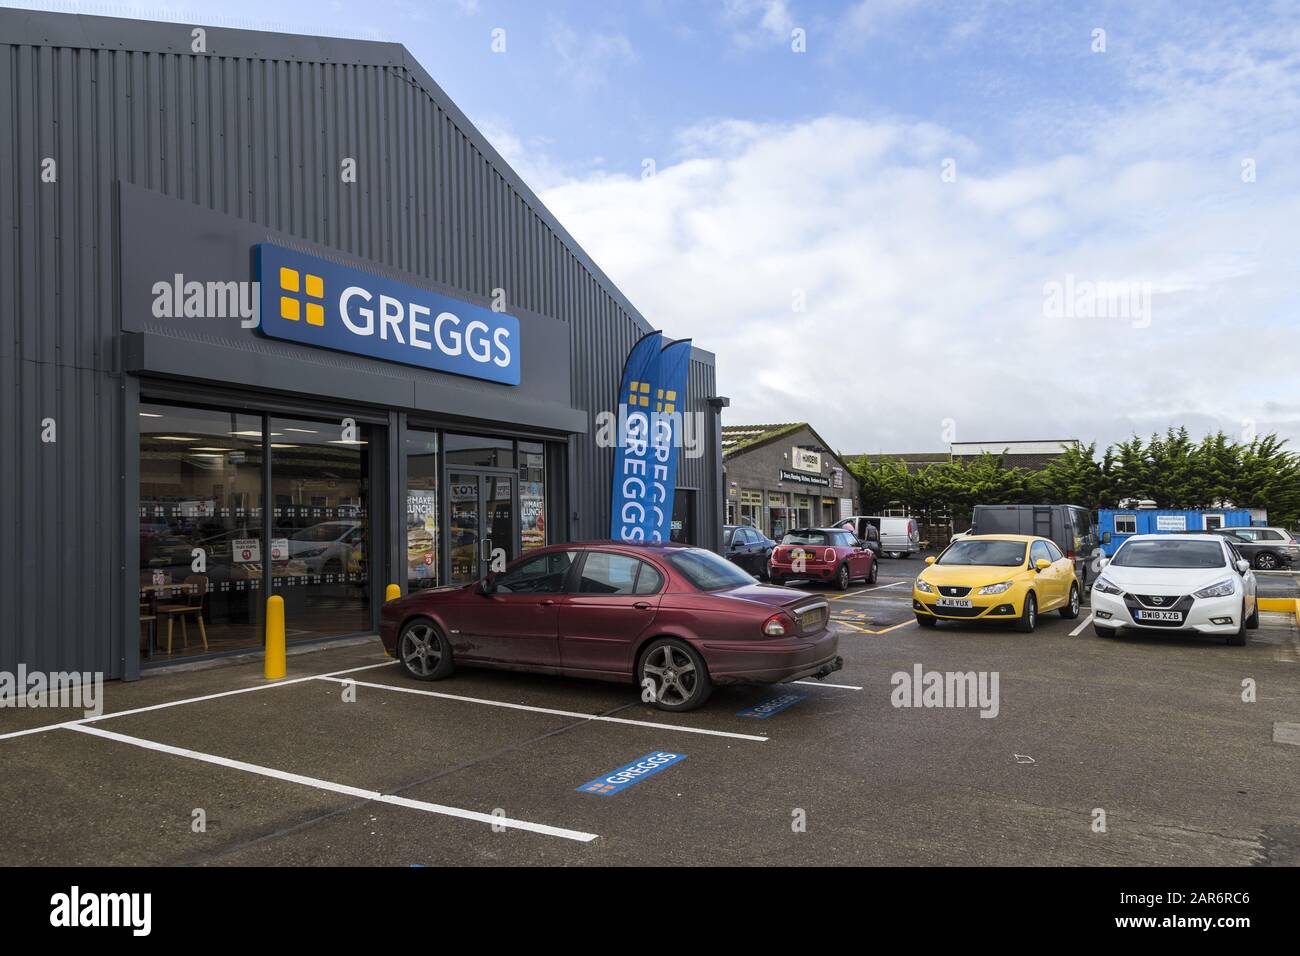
<point>769,707</point>
<point>313,301</point>
<point>625,776</point>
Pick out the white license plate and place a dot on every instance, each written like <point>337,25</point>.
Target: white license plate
<point>1175,616</point>
<point>953,602</point>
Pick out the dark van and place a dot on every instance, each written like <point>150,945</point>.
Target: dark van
<point>1070,526</point>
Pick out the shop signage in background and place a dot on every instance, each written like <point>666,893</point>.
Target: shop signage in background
<point>837,477</point>
<point>1171,522</point>
<point>279,549</point>
<point>805,459</point>
<point>246,550</point>
<point>314,301</point>
<point>799,478</point>
<point>651,401</point>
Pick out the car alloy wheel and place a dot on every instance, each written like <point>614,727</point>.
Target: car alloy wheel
<point>1266,562</point>
<point>1029,618</point>
<point>842,577</point>
<point>678,676</point>
<point>423,652</point>
<point>1071,610</point>
<point>1239,638</point>
<point>875,573</point>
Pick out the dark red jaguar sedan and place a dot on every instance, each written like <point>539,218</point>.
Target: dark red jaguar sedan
<point>673,618</point>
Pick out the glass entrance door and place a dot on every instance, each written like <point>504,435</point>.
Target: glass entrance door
<point>480,522</point>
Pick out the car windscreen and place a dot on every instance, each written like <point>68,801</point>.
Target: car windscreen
<point>1169,554</point>
<point>806,537</point>
<point>984,553</point>
<point>707,571</point>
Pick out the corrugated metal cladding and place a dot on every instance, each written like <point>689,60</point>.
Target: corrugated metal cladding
<point>255,128</point>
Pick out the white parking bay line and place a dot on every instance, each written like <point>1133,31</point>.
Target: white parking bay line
<point>332,787</point>
<point>818,683</point>
<point>189,700</point>
<point>545,710</point>
<point>1086,621</point>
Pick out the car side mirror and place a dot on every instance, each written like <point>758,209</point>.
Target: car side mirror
<point>930,559</point>
<point>489,583</point>
<point>1102,562</point>
<point>1243,565</point>
<point>1042,564</point>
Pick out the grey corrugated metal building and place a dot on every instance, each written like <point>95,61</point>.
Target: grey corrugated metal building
<point>152,462</point>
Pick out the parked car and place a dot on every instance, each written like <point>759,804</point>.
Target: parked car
<point>899,537</point>
<point>822,554</point>
<point>1176,582</point>
<point>328,547</point>
<point>675,619</point>
<point>747,547</point>
<point>1069,527</point>
<point>1002,577</point>
<point>1267,549</point>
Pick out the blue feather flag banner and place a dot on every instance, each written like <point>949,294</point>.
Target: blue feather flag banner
<point>666,435</point>
<point>630,517</point>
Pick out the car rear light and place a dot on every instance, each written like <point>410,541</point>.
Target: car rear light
<point>911,526</point>
<point>777,625</point>
<point>829,556</point>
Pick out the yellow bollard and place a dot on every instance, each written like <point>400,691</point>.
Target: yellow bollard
<point>391,593</point>
<point>273,669</point>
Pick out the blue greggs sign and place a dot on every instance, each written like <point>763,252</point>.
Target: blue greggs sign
<point>317,302</point>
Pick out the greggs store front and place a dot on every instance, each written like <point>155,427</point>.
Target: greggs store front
<point>325,340</point>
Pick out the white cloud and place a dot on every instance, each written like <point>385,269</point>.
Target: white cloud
<point>758,22</point>
<point>587,59</point>
<point>925,298</point>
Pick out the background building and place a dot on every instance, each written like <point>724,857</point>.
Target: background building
<point>1031,455</point>
<point>784,476</point>
<point>140,447</point>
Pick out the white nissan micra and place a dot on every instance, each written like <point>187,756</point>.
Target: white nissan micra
<point>1176,582</point>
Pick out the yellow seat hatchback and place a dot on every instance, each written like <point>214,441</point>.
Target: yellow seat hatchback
<point>996,577</point>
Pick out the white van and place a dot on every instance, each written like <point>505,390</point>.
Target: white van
<point>899,537</point>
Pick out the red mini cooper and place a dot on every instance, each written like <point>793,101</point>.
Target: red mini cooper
<point>822,554</point>
<point>673,618</point>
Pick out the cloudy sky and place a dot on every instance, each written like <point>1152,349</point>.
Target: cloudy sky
<point>932,214</point>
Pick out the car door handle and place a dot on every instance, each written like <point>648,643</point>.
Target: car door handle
<point>547,603</point>
<point>642,605</point>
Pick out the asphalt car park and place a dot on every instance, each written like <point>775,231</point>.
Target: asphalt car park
<point>351,762</point>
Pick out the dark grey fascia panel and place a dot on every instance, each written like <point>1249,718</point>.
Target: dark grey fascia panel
<point>156,354</point>
<point>434,397</point>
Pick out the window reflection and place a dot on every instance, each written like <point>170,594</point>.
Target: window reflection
<point>200,531</point>
<point>320,515</point>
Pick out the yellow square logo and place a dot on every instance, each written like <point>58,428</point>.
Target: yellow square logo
<point>291,307</point>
